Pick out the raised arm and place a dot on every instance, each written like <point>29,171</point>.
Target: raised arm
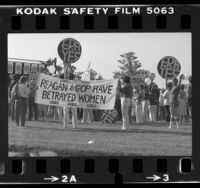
<point>180,80</point>
<point>166,83</point>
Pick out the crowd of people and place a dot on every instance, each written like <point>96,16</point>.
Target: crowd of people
<point>149,103</point>
<point>21,96</point>
<point>142,104</point>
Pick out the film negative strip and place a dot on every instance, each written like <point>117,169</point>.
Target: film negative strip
<point>99,94</point>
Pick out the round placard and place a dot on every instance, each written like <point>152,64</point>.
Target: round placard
<point>169,67</point>
<point>69,50</point>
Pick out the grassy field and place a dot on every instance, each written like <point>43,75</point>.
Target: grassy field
<point>99,139</point>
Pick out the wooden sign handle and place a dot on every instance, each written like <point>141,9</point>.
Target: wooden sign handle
<point>66,75</point>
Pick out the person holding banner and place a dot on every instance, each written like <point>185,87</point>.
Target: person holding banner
<point>66,111</point>
<point>174,102</point>
<point>60,109</point>
<point>87,113</point>
<point>126,93</point>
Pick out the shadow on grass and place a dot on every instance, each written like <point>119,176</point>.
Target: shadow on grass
<point>25,151</point>
<point>131,130</point>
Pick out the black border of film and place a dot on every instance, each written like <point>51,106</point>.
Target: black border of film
<point>104,169</point>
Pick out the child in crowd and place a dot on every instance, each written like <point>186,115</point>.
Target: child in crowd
<point>182,103</point>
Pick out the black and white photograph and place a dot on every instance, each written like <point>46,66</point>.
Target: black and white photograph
<point>99,94</point>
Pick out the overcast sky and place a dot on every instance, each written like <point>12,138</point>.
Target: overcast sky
<point>104,49</point>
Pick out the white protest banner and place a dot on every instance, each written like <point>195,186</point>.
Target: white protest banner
<point>96,94</point>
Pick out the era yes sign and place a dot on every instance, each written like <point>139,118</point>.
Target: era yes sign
<point>69,50</point>
<point>169,67</point>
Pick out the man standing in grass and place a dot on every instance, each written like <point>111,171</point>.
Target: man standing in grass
<point>126,93</point>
